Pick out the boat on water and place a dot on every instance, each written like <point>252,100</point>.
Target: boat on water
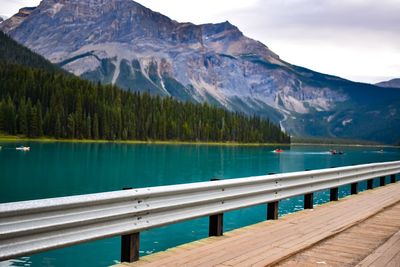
<point>336,152</point>
<point>23,148</point>
<point>278,150</point>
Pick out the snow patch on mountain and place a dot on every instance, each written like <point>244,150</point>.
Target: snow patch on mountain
<point>82,65</point>
<point>117,70</point>
<point>53,10</point>
<point>347,122</point>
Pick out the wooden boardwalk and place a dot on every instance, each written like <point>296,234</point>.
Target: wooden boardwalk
<point>360,230</point>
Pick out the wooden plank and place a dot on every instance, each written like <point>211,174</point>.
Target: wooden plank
<point>386,253</point>
<point>354,244</point>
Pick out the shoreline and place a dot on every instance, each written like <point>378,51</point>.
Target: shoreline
<point>133,142</point>
<point>7,138</point>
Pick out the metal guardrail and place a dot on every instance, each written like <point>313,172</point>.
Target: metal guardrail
<point>32,226</point>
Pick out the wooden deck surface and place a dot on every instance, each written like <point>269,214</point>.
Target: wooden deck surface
<point>361,229</point>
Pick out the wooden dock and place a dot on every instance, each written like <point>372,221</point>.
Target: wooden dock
<point>359,230</point>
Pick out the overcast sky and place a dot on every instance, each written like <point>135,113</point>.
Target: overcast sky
<point>354,39</point>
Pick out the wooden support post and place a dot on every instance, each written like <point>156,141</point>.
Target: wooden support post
<point>216,225</point>
<point>309,201</point>
<point>130,247</point>
<point>382,181</point>
<point>273,207</point>
<point>273,210</point>
<point>393,178</point>
<point>216,222</point>
<point>130,244</point>
<point>370,184</point>
<point>334,194</point>
<point>354,188</point>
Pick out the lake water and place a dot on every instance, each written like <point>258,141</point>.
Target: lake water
<point>64,169</point>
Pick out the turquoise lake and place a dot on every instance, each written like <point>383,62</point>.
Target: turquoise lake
<point>64,169</point>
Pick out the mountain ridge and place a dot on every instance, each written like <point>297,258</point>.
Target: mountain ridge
<point>393,83</point>
<point>121,42</point>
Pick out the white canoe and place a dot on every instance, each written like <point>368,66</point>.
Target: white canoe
<point>23,148</point>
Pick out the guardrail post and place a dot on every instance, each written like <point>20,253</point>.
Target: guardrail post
<point>216,222</point>
<point>354,188</point>
<point>130,247</point>
<point>393,178</point>
<point>216,225</point>
<point>370,184</point>
<point>130,244</point>
<point>382,181</point>
<point>273,207</point>
<point>309,201</point>
<point>334,194</point>
<point>273,210</point>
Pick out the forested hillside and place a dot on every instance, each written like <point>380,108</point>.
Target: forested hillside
<point>41,100</point>
<point>13,53</point>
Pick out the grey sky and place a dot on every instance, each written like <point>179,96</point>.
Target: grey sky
<point>354,39</point>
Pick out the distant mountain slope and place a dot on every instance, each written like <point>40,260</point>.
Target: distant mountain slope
<point>121,42</point>
<point>38,99</point>
<point>394,83</point>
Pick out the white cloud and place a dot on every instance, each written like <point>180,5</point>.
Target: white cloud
<point>355,39</point>
<point>204,11</point>
<point>10,7</point>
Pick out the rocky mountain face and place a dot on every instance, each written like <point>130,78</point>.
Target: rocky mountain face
<point>2,18</point>
<point>124,43</point>
<point>394,83</point>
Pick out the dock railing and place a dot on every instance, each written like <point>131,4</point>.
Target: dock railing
<point>28,227</point>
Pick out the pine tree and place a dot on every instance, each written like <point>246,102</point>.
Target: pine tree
<point>71,126</point>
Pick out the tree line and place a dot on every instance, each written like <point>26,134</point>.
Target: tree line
<point>36,102</point>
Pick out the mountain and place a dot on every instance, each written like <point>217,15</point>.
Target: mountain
<point>121,42</point>
<point>3,18</point>
<point>39,99</point>
<point>394,83</point>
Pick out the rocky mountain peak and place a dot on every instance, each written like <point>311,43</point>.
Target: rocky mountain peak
<point>17,19</point>
<point>87,8</point>
<point>212,29</point>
